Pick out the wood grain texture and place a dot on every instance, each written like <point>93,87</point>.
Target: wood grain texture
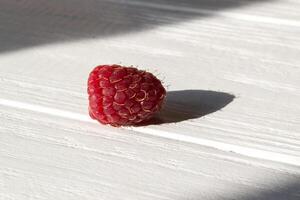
<point>230,128</point>
<point>44,157</point>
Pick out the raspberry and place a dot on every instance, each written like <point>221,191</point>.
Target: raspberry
<point>121,95</point>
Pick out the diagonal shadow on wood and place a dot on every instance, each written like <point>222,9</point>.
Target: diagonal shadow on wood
<point>288,190</point>
<point>27,23</point>
<point>190,104</point>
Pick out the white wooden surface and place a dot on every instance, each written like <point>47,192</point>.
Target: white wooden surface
<point>230,128</point>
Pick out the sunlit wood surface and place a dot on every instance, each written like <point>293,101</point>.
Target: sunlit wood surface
<point>230,129</point>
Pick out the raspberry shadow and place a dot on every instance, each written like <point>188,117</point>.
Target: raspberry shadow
<point>184,105</point>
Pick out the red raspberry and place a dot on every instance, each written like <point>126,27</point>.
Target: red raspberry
<point>121,95</point>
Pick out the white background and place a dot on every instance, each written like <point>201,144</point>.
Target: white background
<point>230,126</point>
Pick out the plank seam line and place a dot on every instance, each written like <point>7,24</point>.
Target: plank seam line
<point>246,151</point>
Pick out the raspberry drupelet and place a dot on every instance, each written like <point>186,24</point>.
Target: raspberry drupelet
<point>122,96</point>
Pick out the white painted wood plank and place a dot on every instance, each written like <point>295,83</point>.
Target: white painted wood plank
<point>219,54</point>
<point>23,21</point>
<point>45,157</point>
<point>50,149</point>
